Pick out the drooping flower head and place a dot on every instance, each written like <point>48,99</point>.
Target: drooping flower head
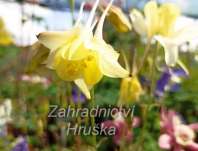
<point>120,21</point>
<point>130,87</point>
<point>130,90</point>
<point>80,55</point>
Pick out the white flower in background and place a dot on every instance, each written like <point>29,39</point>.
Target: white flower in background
<point>171,44</point>
<point>5,113</point>
<point>184,135</point>
<point>196,58</point>
<point>191,46</point>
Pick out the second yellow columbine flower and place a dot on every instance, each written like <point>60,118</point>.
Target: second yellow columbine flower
<point>159,22</point>
<point>130,90</point>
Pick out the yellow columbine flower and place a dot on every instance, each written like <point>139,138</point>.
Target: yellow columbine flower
<point>130,90</point>
<point>5,38</point>
<point>78,55</point>
<point>119,19</point>
<point>159,23</point>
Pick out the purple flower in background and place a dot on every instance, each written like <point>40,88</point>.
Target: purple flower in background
<point>21,145</point>
<point>77,96</point>
<point>162,83</point>
<point>169,81</point>
<point>145,82</point>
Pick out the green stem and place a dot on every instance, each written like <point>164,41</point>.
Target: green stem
<point>146,53</point>
<point>72,7</point>
<point>145,116</point>
<point>92,117</point>
<point>79,106</point>
<point>153,71</point>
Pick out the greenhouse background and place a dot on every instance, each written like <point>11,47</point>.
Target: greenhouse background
<point>50,14</point>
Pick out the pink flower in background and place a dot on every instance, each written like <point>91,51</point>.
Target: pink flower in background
<point>36,79</point>
<point>123,129</point>
<point>136,121</point>
<point>25,78</point>
<point>176,136</point>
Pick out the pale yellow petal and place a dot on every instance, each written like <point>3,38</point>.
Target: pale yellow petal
<point>108,59</point>
<point>83,87</point>
<point>101,46</point>
<point>138,21</point>
<point>171,51</point>
<point>170,48</point>
<point>54,40</point>
<point>186,34</point>
<point>152,17</point>
<point>111,67</point>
